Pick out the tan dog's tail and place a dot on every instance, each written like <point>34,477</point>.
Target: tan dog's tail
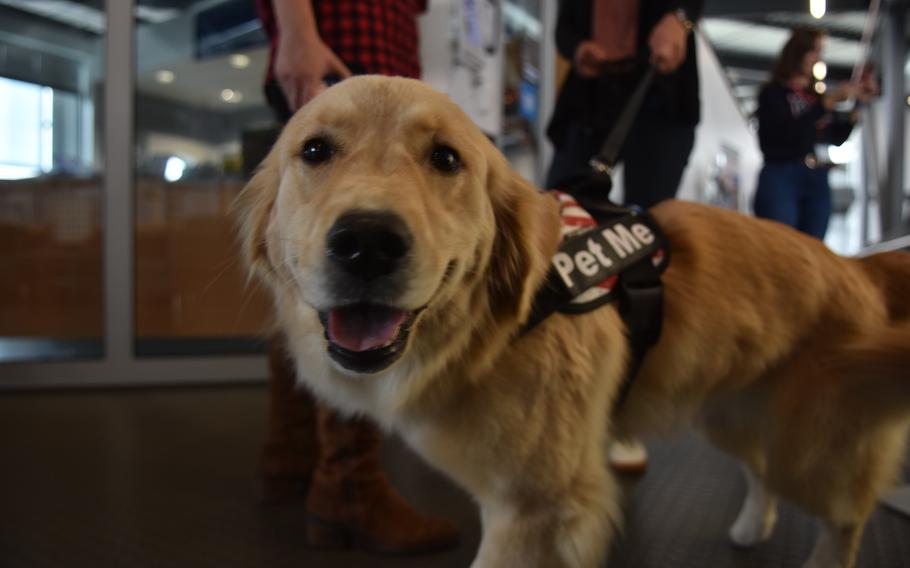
<point>877,368</point>
<point>890,271</point>
<point>882,354</point>
<point>878,371</point>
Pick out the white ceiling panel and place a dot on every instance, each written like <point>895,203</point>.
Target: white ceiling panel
<point>766,41</point>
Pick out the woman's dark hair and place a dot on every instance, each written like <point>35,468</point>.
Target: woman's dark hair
<point>790,60</point>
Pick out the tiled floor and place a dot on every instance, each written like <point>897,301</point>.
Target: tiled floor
<point>167,478</point>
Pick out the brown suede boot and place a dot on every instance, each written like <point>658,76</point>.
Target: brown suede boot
<point>352,503</point>
<point>291,448</point>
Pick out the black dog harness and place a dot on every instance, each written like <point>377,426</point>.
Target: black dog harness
<point>621,259</point>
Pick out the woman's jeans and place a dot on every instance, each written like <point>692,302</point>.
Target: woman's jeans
<point>795,194</point>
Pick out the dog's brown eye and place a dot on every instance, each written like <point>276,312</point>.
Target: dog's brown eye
<point>445,159</point>
<point>317,150</point>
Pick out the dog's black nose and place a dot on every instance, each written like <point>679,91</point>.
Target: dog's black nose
<point>368,244</point>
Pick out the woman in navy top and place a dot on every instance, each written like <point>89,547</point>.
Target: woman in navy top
<point>793,185</point>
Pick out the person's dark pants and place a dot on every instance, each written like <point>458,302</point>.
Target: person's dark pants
<point>796,195</point>
<point>276,100</point>
<point>654,156</point>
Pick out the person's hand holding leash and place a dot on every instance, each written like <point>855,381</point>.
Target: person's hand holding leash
<point>668,43</point>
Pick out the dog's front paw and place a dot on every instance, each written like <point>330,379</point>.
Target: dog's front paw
<point>750,529</point>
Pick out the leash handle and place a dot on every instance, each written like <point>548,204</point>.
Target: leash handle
<point>603,162</point>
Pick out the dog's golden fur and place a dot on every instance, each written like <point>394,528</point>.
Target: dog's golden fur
<point>789,357</point>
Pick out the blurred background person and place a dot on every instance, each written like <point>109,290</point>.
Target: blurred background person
<point>609,44</point>
<point>792,119</point>
<point>310,449</point>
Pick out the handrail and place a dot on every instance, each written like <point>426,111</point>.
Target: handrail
<point>900,243</point>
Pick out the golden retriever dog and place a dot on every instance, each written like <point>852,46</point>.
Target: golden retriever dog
<point>404,255</point>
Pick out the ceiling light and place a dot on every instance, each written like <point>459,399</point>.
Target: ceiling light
<point>817,8</point>
<point>239,61</point>
<point>820,70</point>
<point>165,77</point>
<point>820,88</point>
<point>231,96</point>
<point>174,169</point>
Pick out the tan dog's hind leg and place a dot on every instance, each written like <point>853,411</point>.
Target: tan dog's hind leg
<point>758,515</point>
<point>836,547</point>
<point>729,422</point>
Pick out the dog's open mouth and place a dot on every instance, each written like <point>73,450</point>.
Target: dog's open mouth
<point>366,338</point>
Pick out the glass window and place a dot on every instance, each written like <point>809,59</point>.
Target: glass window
<point>198,98</point>
<point>51,75</point>
<point>26,129</point>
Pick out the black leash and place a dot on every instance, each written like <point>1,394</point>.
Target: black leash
<point>639,287</point>
<point>606,159</point>
<point>592,187</point>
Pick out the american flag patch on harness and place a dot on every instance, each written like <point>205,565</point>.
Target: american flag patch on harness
<point>591,256</point>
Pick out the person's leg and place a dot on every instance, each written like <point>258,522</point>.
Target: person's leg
<point>291,447</point>
<point>310,450</point>
<point>582,142</point>
<point>655,156</point>
<point>352,503</point>
<point>777,194</point>
<point>816,205</point>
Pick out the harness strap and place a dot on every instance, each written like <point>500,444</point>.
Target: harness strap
<point>545,304</point>
<point>638,289</point>
<point>641,309</point>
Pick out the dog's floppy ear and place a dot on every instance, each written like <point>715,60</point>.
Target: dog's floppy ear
<point>252,210</point>
<point>527,232</point>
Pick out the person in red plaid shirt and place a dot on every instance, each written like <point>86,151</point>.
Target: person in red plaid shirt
<point>310,449</point>
<point>333,39</point>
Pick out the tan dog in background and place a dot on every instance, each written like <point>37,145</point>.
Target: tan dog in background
<point>404,254</point>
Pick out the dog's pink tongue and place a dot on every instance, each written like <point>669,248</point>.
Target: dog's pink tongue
<point>363,327</point>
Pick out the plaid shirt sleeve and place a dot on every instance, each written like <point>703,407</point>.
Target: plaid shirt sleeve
<point>377,36</point>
